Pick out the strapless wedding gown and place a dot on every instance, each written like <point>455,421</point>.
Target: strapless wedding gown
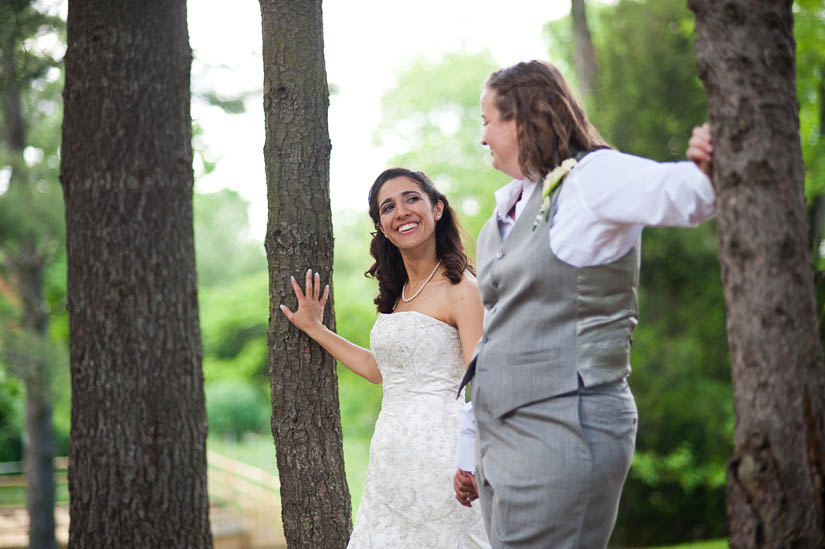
<point>408,499</point>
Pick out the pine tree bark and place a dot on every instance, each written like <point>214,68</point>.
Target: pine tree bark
<point>137,469</point>
<point>584,53</point>
<point>776,478</point>
<point>306,423</point>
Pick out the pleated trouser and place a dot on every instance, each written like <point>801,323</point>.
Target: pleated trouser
<point>550,473</point>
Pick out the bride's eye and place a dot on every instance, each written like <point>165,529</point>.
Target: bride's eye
<point>386,208</point>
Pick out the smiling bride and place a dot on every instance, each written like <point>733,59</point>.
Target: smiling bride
<point>429,323</point>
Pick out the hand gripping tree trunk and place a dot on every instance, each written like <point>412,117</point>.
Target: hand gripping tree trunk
<point>137,469</point>
<point>776,479</point>
<point>306,423</point>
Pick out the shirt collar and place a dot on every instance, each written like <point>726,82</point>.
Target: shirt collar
<point>507,196</point>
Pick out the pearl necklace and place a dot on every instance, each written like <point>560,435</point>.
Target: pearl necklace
<point>408,299</point>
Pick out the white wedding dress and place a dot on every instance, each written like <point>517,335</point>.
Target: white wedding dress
<point>408,498</point>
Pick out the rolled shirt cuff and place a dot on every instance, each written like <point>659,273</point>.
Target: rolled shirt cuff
<point>465,455</point>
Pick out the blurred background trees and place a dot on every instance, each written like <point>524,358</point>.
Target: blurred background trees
<point>647,99</point>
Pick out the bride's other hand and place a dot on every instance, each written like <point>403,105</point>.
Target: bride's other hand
<point>466,490</point>
<point>311,304</point>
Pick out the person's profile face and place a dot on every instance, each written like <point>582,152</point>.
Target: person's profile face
<point>501,136</point>
<point>407,217</point>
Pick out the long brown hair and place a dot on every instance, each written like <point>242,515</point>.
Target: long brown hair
<point>388,268</point>
<point>551,124</point>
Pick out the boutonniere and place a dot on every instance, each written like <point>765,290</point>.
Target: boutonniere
<point>552,181</point>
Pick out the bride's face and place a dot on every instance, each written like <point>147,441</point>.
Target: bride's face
<point>407,216</point>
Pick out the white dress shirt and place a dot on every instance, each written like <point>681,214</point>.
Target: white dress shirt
<point>603,205</point>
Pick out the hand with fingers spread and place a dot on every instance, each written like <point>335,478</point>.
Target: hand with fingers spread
<point>310,313</point>
<point>700,149</point>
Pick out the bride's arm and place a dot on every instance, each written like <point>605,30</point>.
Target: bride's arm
<point>308,318</point>
<point>467,313</point>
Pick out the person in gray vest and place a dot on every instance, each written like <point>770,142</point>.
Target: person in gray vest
<point>558,272</point>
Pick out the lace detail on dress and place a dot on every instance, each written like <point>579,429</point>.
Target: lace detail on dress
<point>408,498</point>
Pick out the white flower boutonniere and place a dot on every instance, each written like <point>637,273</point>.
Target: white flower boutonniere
<point>552,181</point>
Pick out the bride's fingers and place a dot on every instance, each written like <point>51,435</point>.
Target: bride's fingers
<point>287,312</point>
<point>325,296</point>
<point>309,284</point>
<point>316,288</point>
<point>297,289</point>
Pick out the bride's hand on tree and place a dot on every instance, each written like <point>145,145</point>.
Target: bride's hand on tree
<point>310,313</point>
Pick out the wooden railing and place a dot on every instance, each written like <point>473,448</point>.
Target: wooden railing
<point>245,505</point>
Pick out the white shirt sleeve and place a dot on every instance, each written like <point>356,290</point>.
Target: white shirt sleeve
<point>465,454</point>
<point>610,196</point>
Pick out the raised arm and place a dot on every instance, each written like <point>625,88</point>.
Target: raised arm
<point>308,318</point>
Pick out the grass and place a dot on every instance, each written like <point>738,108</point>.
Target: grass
<point>710,544</point>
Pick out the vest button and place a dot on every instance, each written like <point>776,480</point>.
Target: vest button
<point>500,254</point>
<point>485,339</point>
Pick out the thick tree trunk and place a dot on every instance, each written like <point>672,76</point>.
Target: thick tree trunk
<point>39,446</point>
<point>776,479</point>
<point>306,423</point>
<point>137,469</point>
<point>584,53</point>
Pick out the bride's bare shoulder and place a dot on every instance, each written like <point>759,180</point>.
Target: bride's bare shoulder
<point>465,293</point>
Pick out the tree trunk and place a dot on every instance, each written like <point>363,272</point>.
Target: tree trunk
<point>39,448</point>
<point>137,469</point>
<point>306,423</point>
<point>584,54</point>
<point>776,479</point>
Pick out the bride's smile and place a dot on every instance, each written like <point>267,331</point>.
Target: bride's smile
<point>407,215</point>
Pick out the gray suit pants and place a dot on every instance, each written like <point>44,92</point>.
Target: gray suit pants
<point>550,473</point>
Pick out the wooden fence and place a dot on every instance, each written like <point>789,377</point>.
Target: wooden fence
<point>244,511</point>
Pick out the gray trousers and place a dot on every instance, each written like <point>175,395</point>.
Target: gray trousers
<point>550,473</point>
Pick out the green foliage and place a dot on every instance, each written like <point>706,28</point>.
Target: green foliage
<point>31,216</point>
<point>225,251</point>
<point>233,328</point>
<point>809,31</point>
<point>235,407</point>
<point>11,417</point>
<point>355,314</point>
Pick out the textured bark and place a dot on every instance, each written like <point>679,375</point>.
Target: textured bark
<point>584,54</point>
<point>137,469</point>
<point>306,423</point>
<point>28,266</point>
<point>776,479</point>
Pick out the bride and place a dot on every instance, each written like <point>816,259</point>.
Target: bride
<point>430,320</point>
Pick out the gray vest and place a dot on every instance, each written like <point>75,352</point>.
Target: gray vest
<point>548,324</point>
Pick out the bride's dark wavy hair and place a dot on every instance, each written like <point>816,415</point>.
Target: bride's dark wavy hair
<point>388,268</point>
